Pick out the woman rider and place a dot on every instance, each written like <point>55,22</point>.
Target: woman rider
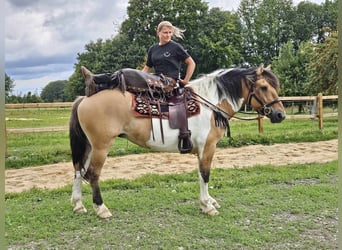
<point>167,55</point>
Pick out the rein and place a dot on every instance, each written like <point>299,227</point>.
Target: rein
<point>219,110</point>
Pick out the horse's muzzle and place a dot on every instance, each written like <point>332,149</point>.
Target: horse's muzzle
<point>276,116</point>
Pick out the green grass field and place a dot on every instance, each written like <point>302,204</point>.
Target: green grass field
<point>265,207</point>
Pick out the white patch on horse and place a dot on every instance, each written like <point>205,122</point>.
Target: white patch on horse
<point>170,137</point>
<point>76,197</point>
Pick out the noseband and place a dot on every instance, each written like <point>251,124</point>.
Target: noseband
<point>266,109</point>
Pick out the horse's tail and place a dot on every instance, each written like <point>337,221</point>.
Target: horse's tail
<point>79,143</point>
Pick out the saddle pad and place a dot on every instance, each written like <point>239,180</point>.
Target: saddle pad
<point>144,107</point>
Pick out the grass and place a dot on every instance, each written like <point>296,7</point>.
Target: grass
<point>37,117</point>
<point>35,149</point>
<point>264,207</point>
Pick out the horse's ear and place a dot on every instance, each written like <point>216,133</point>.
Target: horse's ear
<point>260,70</point>
<point>85,72</point>
<point>268,67</point>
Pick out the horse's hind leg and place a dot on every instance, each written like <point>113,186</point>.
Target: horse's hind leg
<point>76,196</point>
<point>93,175</point>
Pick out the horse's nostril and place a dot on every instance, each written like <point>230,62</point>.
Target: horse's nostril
<point>281,115</point>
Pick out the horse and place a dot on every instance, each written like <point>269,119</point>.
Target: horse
<point>98,119</point>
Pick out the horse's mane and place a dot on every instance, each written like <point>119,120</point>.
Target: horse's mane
<point>227,84</point>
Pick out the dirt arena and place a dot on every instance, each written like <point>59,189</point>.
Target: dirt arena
<point>132,166</point>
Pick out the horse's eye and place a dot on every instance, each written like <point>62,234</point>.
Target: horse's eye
<point>263,88</point>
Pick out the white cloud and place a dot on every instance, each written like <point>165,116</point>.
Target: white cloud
<point>42,38</point>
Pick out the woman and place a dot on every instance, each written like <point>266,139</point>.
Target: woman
<point>167,55</point>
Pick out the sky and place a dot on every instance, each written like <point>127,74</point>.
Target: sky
<point>43,38</point>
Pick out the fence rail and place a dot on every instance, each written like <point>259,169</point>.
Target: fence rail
<point>38,105</point>
<point>36,130</point>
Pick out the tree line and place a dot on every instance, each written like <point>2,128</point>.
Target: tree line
<point>299,41</point>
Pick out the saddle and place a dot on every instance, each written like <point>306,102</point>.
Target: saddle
<point>156,90</point>
<point>132,80</point>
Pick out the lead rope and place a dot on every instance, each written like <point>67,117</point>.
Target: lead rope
<point>219,110</point>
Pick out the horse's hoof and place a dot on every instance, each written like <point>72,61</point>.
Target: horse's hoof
<point>102,211</point>
<point>80,209</point>
<point>208,208</point>
<point>105,215</point>
<point>213,212</point>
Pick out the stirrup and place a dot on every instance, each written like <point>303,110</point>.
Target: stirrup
<point>184,143</point>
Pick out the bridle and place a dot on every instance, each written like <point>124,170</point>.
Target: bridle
<point>266,109</point>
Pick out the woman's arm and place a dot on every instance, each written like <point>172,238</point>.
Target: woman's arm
<point>191,65</point>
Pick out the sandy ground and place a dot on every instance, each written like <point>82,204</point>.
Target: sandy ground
<point>133,166</point>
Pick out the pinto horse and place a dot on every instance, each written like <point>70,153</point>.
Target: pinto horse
<point>98,119</point>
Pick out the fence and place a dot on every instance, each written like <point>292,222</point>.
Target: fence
<point>318,99</point>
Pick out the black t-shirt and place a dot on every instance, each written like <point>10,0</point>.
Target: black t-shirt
<point>166,59</point>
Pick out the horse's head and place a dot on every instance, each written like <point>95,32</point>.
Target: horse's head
<point>263,91</point>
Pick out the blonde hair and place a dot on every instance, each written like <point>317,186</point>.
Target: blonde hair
<point>177,32</point>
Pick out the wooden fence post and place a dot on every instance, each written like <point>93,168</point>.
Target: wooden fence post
<point>320,110</point>
<point>260,125</point>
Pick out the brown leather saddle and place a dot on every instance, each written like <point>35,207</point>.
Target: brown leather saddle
<point>159,91</point>
<point>132,80</point>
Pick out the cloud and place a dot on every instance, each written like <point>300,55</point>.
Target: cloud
<point>43,37</point>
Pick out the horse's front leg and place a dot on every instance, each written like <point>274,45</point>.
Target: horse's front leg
<point>208,204</point>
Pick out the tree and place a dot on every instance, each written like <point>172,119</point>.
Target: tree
<point>323,66</point>
<point>54,92</point>
<point>308,22</point>
<point>291,68</point>
<point>328,16</point>
<point>266,26</point>
<point>31,98</point>
<point>219,41</point>
<point>273,27</point>
<point>9,86</point>
<point>313,19</point>
<point>247,12</point>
